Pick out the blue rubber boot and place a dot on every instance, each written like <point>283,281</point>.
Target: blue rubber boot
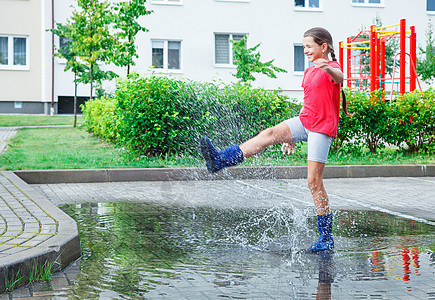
<point>325,241</point>
<point>217,160</point>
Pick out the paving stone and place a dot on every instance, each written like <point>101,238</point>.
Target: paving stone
<point>21,292</point>
<point>59,283</point>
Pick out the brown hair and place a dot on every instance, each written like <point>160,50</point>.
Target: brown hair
<point>320,36</point>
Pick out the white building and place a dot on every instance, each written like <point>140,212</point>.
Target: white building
<point>188,38</point>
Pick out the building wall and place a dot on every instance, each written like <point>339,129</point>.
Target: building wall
<point>22,18</point>
<point>277,25</point>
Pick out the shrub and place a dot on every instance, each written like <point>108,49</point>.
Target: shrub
<point>240,112</point>
<point>348,128</point>
<point>149,114</point>
<point>413,117</point>
<point>370,125</point>
<point>100,118</point>
<point>408,120</point>
<point>157,115</point>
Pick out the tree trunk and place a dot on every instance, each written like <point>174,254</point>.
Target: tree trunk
<point>75,100</point>
<point>128,66</point>
<point>92,70</point>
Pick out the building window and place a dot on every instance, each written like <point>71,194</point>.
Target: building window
<point>300,61</point>
<point>223,47</point>
<point>14,54</point>
<point>166,55</point>
<point>375,3</point>
<point>308,4</point>
<point>4,50</point>
<point>18,104</point>
<point>64,44</point>
<point>431,6</point>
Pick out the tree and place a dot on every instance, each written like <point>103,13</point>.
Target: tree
<point>65,51</point>
<point>126,15</point>
<point>426,65</point>
<point>101,34</point>
<point>91,39</point>
<point>248,62</point>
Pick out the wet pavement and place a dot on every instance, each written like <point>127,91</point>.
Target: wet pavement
<point>34,234</point>
<point>245,239</point>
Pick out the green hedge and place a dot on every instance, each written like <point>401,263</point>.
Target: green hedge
<point>158,115</point>
<point>408,121</point>
<point>100,119</point>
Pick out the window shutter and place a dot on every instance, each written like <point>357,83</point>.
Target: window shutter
<point>238,37</point>
<point>222,49</point>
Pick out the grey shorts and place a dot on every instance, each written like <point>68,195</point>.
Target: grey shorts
<point>318,143</point>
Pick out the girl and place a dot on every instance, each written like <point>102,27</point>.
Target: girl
<point>317,124</point>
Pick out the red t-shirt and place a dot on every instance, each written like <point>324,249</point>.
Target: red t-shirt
<point>321,107</point>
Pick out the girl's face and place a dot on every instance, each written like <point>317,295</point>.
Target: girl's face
<point>313,50</point>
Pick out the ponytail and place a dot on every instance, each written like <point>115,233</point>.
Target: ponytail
<point>344,104</point>
<point>343,95</point>
<point>332,52</point>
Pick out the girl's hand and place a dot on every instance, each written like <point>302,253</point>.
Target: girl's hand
<point>288,147</point>
<point>335,73</point>
<point>322,64</point>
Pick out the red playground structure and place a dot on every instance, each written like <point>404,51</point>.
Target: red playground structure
<point>365,69</point>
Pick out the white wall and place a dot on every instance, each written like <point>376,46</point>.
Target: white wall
<point>276,25</point>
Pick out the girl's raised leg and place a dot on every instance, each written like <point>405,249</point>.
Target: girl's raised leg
<point>273,135</point>
<point>234,154</point>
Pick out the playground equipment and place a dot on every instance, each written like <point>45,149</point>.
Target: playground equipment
<point>365,70</point>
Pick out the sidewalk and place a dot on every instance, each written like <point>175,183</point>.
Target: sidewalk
<point>33,232</point>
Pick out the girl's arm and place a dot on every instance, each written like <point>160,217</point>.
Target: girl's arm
<point>335,73</point>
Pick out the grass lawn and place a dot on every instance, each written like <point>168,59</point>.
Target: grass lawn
<point>74,148</point>
<point>37,120</point>
<point>65,148</point>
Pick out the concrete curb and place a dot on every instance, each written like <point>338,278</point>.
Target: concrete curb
<point>60,249</point>
<point>261,172</point>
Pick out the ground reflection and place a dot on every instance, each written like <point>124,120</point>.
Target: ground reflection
<point>141,250</point>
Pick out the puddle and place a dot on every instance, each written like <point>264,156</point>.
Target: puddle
<point>142,250</point>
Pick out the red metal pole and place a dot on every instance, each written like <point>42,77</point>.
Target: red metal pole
<point>348,64</point>
<point>402,55</point>
<point>340,55</point>
<point>413,59</point>
<point>378,62</point>
<point>372,58</point>
<point>382,61</point>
